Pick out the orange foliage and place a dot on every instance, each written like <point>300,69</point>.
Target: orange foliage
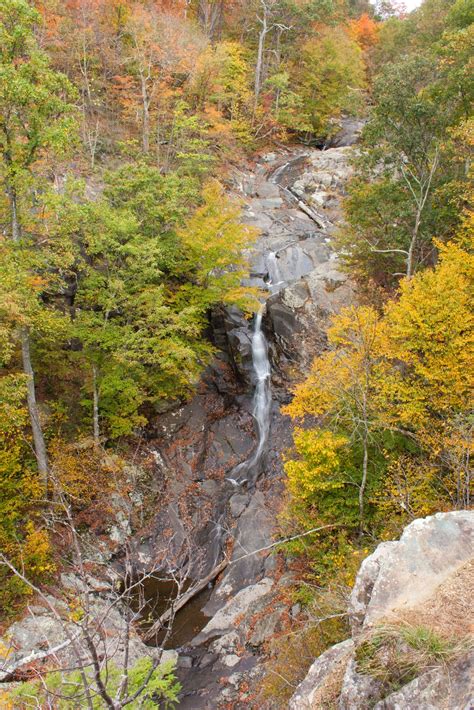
<point>83,472</point>
<point>365,31</point>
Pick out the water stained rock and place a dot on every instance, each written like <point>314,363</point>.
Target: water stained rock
<point>220,454</point>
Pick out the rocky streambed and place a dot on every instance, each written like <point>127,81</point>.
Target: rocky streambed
<point>216,507</point>
<point>214,465</point>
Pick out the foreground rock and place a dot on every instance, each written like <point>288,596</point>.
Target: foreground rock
<point>47,633</point>
<point>403,575</point>
<point>411,597</point>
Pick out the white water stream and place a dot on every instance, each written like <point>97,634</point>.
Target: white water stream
<point>262,399</point>
<point>274,271</point>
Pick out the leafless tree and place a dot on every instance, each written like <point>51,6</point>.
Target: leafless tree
<point>420,186</point>
<point>268,22</point>
<point>210,16</point>
<point>95,626</point>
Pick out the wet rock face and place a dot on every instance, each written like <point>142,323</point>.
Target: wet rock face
<point>294,200</point>
<point>232,335</point>
<point>424,579</point>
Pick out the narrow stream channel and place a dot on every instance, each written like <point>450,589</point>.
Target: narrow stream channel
<point>157,592</point>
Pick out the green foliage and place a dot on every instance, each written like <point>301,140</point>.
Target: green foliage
<point>408,183</point>
<point>145,279</point>
<point>461,14</point>
<point>33,97</point>
<point>160,687</point>
<point>36,120</point>
<point>326,79</point>
<point>189,146</point>
<point>397,654</point>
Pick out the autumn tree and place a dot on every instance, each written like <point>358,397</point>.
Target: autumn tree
<point>89,655</point>
<point>388,409</point>
<point>429,330</point>
<point>221,87</point>
<point>341,393</point>
<point>325,80</point>
<point>157,46</point>
<point>365,31</point>
<point>36,118</point>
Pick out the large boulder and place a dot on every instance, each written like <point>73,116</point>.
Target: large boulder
<point>226,619</point>
<point>402,575</point>
<point>424,582</point>
<point>311,690</point>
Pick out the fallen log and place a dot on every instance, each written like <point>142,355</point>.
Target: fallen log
<point>309,211</point>
<point>199,586</point>
<point>9,673</point>
<point>181,601</point>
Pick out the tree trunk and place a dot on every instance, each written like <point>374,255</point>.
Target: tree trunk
<point>420,201</point>
<point>259,65</point>
<point>16,231</point>
<point>95,414</point>
<point>411,250</point>
<point>365,444</point>
<point>210,14</point>
<point>363,484</point>
<point>38,437</point>
<point>146,116</point>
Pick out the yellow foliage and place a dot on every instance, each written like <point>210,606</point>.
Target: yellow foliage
<point>320,461</point>
<point>407,493</point>
<point>82,472</point>
<point>355,337</point>
<point>36,552</point>
<point>402,381</point>
<point>341,381</point>
<point>431,330</point>
<point>215,242</point>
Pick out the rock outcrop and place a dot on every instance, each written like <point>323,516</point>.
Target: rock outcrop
<point>404,574</point>
<point>411,598</point>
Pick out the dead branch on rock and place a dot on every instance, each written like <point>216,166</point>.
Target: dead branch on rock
<point>94,638</point>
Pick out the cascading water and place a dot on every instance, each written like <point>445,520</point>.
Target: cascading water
<point>262,399</point>
<point>273,271</point>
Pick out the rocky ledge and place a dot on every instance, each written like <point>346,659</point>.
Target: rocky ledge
<point>411,645</point>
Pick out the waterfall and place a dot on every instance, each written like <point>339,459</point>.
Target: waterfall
<point>273,271</point>
<point>262,398</point>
